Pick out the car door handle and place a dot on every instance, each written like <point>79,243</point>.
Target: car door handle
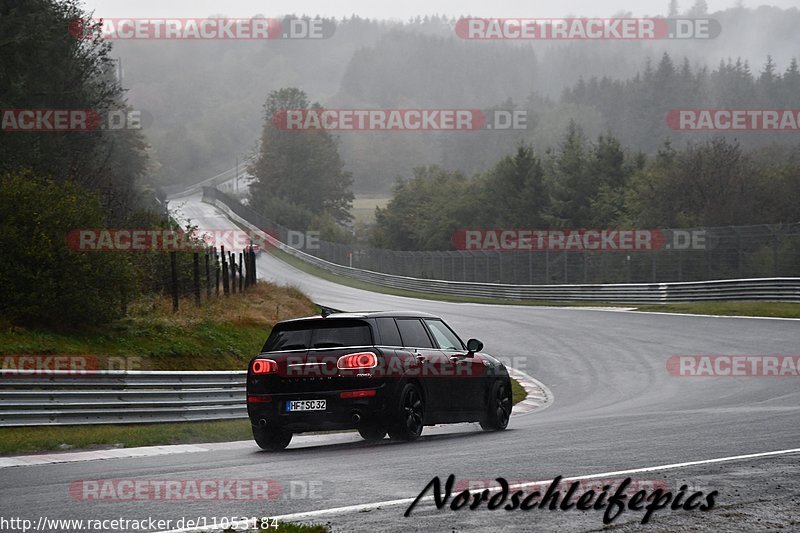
<point>420,359</point>
<point>456,359</point>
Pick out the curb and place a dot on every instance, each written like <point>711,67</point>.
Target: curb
<point>539,396</point>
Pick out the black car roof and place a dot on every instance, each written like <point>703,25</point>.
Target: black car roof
<point>364,314</point>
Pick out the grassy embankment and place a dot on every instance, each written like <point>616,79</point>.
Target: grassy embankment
<point>221,335</point>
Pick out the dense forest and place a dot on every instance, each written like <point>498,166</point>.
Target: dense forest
<point>599,184</point>
<point>597,151</point>
<point>203,98</point>
<point>52,182</point>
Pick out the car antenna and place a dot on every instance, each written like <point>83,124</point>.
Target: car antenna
<point>325,311</point>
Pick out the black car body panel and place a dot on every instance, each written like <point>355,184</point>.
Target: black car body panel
<point>407,348</point>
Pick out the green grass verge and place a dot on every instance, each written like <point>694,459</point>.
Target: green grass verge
<point>517,392</point>
<point>767,309</point>
<point>48,438</point>
<point>363,208</point>
<point>158,345</point>
<point>222,334</point>
<point>764,309</point>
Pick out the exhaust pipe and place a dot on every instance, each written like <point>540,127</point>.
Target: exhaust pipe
<point>262,423</point>
<point>356,418</point>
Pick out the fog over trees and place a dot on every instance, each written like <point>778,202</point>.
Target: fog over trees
<point>205,98</point>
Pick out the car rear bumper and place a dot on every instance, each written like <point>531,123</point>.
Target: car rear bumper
<point>340,413</point>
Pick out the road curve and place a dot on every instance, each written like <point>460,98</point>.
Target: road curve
<point>616,408</point>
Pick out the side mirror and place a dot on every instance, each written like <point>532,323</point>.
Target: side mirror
<point>474,345</point>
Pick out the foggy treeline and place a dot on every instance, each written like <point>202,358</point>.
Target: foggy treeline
<point>205,99</point>
<point>54,182</point>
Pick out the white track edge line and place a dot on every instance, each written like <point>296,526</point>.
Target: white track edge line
<point>393,503</point>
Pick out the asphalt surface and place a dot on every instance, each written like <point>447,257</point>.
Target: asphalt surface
<point>616,408</point>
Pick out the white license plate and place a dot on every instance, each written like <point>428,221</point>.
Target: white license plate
<point>305,405</point>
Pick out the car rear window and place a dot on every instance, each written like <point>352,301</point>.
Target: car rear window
<point>318,334</point>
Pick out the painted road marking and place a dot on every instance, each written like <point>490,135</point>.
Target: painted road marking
<point>405,501</point>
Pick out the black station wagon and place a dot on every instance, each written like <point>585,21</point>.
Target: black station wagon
<point>377,372</point>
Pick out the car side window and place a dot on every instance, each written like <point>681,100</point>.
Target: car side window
<point>413,333</point>
<point>389,334</point>
<point>444,336</point>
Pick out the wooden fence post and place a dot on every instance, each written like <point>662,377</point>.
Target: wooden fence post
<point>225,281</point>
<point>216,272</point>
<point>196,277</point>
<point>233,272</point>
<point>246,268</point>
<point>241,272</point>
<point>253,257</point>
<point>173,259</point>
<point>208,274</point>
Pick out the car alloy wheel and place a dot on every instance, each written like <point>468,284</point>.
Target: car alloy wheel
<point>410,417</point>
<point>499,408</point>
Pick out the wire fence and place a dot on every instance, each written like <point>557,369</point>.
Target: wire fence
<point>199,276</point>
<point>728,252</point>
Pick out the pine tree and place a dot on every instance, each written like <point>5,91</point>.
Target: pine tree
<point>699,9</point>
<point>672,11</point>
<point>299,174</point>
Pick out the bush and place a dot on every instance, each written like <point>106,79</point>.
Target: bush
<point>44,282</point>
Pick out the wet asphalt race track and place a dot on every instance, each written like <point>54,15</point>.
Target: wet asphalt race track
<point>616,408</point>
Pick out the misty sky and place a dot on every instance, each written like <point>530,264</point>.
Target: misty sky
<point>400,10</point>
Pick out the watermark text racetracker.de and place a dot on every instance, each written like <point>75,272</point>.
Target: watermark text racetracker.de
<point>606,240</point>
<point>405,366</point>
<point>780,366</point>
<point>201,29</point>
<point>418,119</point>
<point>196,240</point>
<point>183,490</point>
<point>69,120</point>
<point>777,120</point>
<point>51,364</point>
<point>587,28</point>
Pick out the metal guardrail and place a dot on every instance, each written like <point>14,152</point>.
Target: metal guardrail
<point>64,397</point>
<point>772,289</point>
<point>215,181</point>
<point>677,255</point>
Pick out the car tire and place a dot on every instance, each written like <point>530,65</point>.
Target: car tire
<point>271,440</point>
<point>498,409</point>
<point>409,414</point>
<point>371,432</point>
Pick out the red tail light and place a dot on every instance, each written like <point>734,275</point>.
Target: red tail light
<point>264,366</point>
<point>357,360</point>
<point>259,399</point>
<point>358,393</point>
